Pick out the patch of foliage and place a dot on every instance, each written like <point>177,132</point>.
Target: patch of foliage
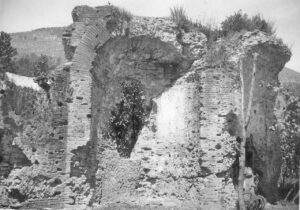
<point>240,21</point>
<point>290,138</point>
<point>237,22</point>
<point>119,20</point>
<point>178,15</point>
<point>121,13</point>
<point>6,53</point>
<point>29,65</point>
<point>211,32</point>
<point>41,67</point>
<point>127,118</point>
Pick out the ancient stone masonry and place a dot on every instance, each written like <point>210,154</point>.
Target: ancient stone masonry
<point>33,134</point>
<point>139,119</point>
<point>264,156</point>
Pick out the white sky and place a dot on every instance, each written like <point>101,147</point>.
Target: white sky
<point>24,15</point>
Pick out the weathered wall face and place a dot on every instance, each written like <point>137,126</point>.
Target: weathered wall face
<point>139,120</point>
<point>262,134</point>
<point>33,134</point>
<point>265,137</point>
<point>172,159</point>
<point>155,64</point>
<point>184,144</point>
<point>185,153</point>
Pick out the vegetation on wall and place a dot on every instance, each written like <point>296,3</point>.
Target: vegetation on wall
<point>179,16</point>
<point>121,13</point>
<point>210,30</point>
<point>290,138</point>
<point>127,118</point>
<point>237,22</point>
<point>119,20</point>
<point>289,128</point>
<point>241,21</point>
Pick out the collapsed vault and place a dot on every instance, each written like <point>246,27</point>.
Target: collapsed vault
<point>180,151</point>
<point>121,59</point>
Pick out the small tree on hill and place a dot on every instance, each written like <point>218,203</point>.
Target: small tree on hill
<point>6,53</point>
<point>41,66</point>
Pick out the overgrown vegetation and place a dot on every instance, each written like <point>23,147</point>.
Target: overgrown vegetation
<point>179,16</point>
<point>121,13</point>
<point>41,66</point>
<point>290,148</point>
<point>127,118</point>
<point>290,138</point>
<point>210,30</point>
<point>6,53</point>
<point>30,65</point>
<point>240,21</point>
<point>27,65</point>
<point>119,20</point>
<point>237,22</point>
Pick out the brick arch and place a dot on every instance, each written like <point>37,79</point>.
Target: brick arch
<point>154,64</point>
<point>79,123</point>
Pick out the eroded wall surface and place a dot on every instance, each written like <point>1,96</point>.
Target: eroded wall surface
<point>33,140</point>
<point>138,118</point>
<point>262,132</point>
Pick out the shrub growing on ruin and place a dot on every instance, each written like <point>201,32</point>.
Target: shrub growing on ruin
<point>119,20</point>
<point>6,53</point>
<point>211,32</point>
<point>178,15</point>
<point>121,13</point>
<point>127,118</point>
<point>41,66</point>
<point>125,14</point>
<point>240,21</point>
<point>290,138</point>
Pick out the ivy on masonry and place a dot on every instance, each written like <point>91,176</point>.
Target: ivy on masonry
<point>127,118</point>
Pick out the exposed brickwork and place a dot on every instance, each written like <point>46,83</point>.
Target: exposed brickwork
<point>63,155</point>
<point>272,56</point>
<point>80,84</point>
<point>37,125</point>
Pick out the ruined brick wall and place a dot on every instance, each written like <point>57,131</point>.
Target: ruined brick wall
<point>173,160</point>
<point>33,134</point>
<point>87,144</point>
<point>266,155</point>
<point>185,151</point>
<point>80,84</point>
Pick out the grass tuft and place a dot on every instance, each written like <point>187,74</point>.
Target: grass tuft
<point>178,15</point>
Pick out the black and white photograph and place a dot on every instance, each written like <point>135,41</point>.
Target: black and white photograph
<point>149,105</point>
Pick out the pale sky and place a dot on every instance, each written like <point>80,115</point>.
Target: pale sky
<point>24,15</point>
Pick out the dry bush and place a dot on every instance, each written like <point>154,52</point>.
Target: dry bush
<point>121,13</point>
<point>241,21</point>
<point>178,15</point>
